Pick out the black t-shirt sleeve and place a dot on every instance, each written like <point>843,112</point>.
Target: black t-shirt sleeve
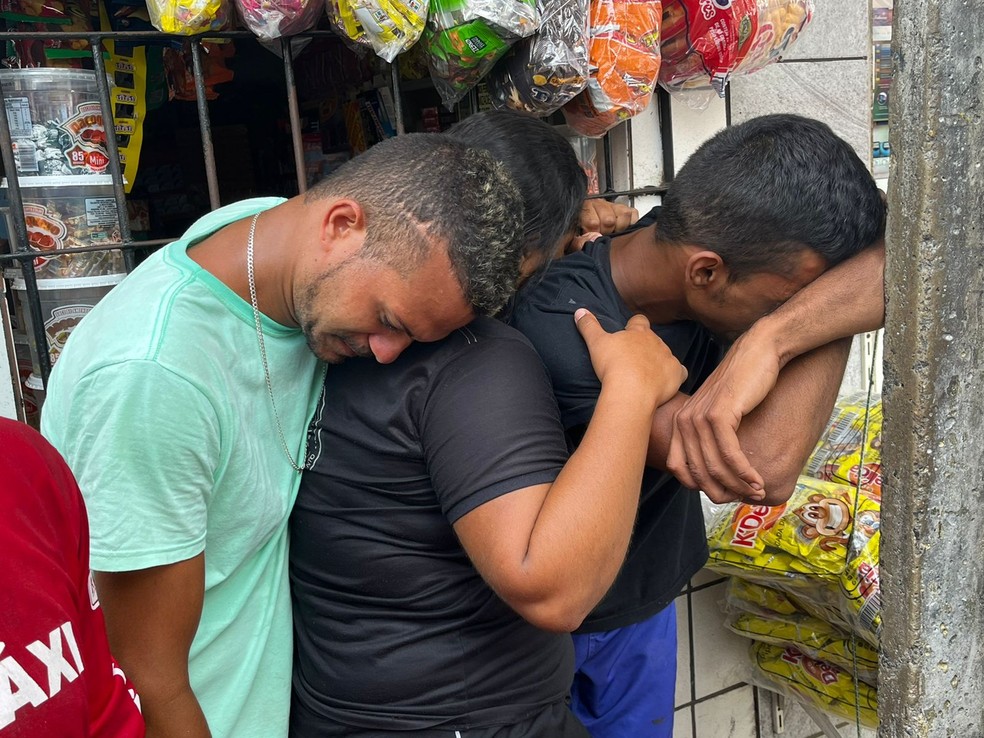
<point>490,426</point>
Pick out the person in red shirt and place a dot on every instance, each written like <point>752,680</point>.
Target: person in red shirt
<point>57,677</point>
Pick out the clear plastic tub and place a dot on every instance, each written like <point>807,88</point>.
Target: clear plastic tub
<point>56,121</point>
<point>64,302</point>
<point>71,212</point>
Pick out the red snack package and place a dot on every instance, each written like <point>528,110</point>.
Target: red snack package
<point>706,42</point>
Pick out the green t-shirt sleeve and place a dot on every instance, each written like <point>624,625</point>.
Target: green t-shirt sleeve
<point>144,444</point>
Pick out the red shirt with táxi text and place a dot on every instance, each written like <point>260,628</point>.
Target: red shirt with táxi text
<point>57,677</point>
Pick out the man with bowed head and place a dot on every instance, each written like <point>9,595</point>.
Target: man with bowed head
<point>766,235</point>
<point>182,400</point>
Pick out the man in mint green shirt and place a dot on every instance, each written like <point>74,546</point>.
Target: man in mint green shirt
<point>182,400</point>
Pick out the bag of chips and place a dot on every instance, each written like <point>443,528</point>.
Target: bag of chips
<point>545,71</point>
<point>751,614</point>
<point>389,27</point>
<point>848,453</point>
<point>821,547</point>
<point>271,19</point>
<point>704,44</point>
<point>465,38</point>
<point>818,683</point>
<point>624,57</point>
<point>34,11</point>
<point>188,17</point>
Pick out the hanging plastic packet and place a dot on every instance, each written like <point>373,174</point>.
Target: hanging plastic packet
<point>389,27</point>
<point>704,44</point>
<point>465,38</point>
<point>818,683</point>
<point>790,626</point>
<point>819,546</point>
<point>271,19</point>
<point>544,72</point>
<point>625,59</point>
<point>840,456</point>
<point>188,17</point>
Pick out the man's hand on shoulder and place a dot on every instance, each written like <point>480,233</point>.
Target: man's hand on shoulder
<point>636,356</point>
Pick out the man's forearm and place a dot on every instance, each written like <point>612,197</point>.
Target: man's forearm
<point>780,433</point>
<point>844,301</point>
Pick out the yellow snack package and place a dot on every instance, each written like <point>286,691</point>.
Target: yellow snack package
<point>818,683</point>
<point>810,534</point>
<point>840,455</point>
<point>812,636</point>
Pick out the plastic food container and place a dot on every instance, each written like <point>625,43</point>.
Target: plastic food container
<point>56,121</point>
<point>71,212</point>
<point>64,302</point>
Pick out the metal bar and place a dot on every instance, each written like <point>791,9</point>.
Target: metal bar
<point>91,36</point>
<point>21,242</point>
<point>606,144</point>
<point>204,125</point>
<point>635,192</point>
<point>666,133</point>
<point>126,245</point>
<point>112,148</point>
<point>295,117</point>
<point>397,96</point>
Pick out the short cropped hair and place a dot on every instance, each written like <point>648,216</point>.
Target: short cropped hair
<point>759,192</point>
<point>421,187</point>
<point>544,166</point>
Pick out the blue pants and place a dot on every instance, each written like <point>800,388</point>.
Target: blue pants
<point>625,679</point>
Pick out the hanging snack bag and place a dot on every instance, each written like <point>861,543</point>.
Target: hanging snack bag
<point>465,38</point>
<point>704,44</point>
<point>818,683</point>
<point>544,72</point>
<point>847,453</point>
<point>625,59</point>
<point>793,627</point>
<point>271,19</point>
<point>389,27</point>
<point>188,17</point>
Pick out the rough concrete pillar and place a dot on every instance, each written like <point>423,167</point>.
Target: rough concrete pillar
<point>932,668</point>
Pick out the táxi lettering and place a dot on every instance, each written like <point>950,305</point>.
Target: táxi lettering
<point>18,688</point>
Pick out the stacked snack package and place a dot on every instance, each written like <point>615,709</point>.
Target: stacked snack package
<point>270,19</point>
<point>188,17</point>
<point>818,683</point>
<point>73,15</point>
<point>542,73</point>
<point>838,455</point>
<point>821,546</point>
<point>34,11</point>
<point>389,27</point>
<point>771,616</point>
<point>704,44</point>
<point>806,584</point>
<point>624,57</point>
<point>465,38</point>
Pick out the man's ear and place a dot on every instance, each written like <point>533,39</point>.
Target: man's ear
<point>343,225</point>
<point>705,270</point>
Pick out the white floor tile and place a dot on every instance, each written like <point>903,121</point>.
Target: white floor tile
<point>730,715</point>
<point>720,657</point>
<point>682,724</point>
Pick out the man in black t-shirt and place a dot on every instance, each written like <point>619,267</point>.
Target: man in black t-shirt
<point>754,218</point>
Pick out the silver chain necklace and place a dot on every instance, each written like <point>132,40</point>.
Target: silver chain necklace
<point>259,339</point>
